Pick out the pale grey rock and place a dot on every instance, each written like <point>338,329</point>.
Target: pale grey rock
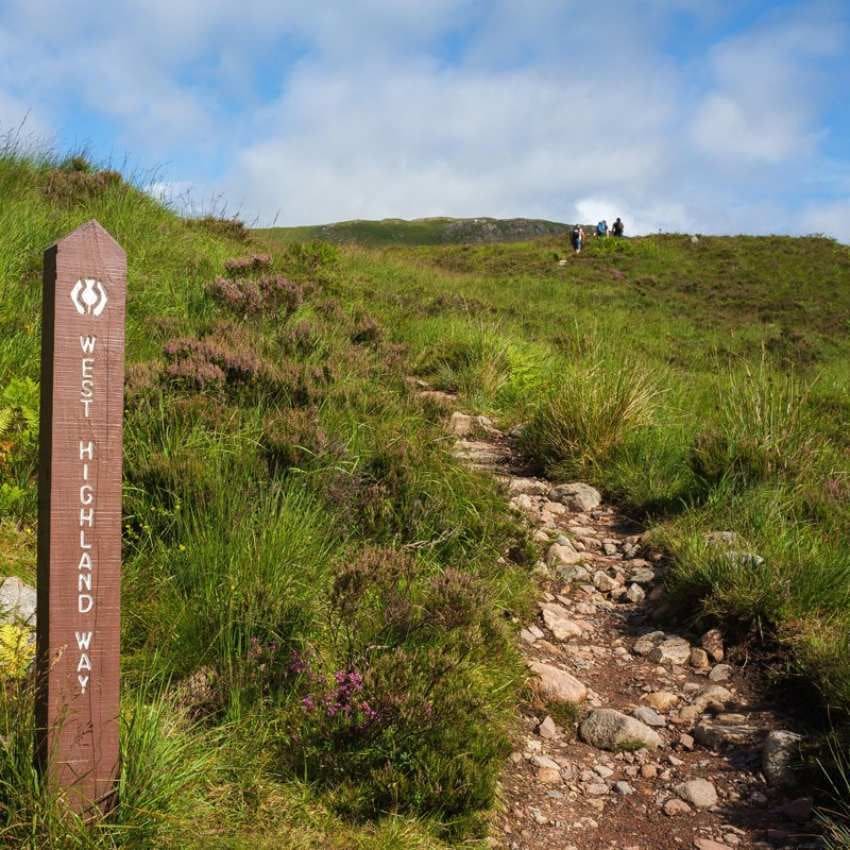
<point>718,735</point>
<point>596,789</point>
<point>558,685</point>
<point>662,700</point>
<point>635,594</point>
<point>562,554</point>
<point>528,636</point>
<point>712,643</point>
<point>700,793</point>
<point>603,582</point>
<point>720,673</point>
<point>574,572</point>
<point>608,729</point>
<point>643,575</point>
<point>547,729</point>
<point>485,455</point>
<point>650,717</point>
<point>780,753</point>
<point>623,788</point>
<point>673,650</point>
<point>699,659</point>
<point>528,487</point>
<point>709,844</point>
<point>646,643</point>
<point>630,550</point>
<point>18,602</point>
<point>558,621</point>
<point>577,496</point>
<point>544,761</point>
<point>674,807</point>
<point>461,424</point>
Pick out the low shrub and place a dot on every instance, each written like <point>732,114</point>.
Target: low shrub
<point>294,438</point>
<point>71,186</point>
<point>407,722</point>
<point>367,331</point>
<point>251,297</point>
<point>228,228</point>
<point>240,266</point>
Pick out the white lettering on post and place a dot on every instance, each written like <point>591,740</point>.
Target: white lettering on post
<point>88,513</point>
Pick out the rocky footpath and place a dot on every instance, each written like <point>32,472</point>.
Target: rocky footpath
<point>634,737</point>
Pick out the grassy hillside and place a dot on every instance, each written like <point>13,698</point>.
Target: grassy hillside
<point>314,647</point>
<point>422,231</point>
<point>705,385</point>
<point>316,632</point>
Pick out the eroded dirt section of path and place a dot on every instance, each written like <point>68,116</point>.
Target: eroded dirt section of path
<point>637,738</point>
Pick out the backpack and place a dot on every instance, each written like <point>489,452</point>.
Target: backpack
<point>601,228</point>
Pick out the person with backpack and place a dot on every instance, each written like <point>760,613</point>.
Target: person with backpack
<point>618,227</point>
<point>602,229</point>
<point>577,238</point>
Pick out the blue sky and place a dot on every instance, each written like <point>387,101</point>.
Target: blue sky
<point>691,115</point>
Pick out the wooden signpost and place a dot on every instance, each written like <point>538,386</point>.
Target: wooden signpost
<point>79,515</point>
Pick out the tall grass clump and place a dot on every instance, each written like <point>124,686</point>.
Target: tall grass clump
<point>834,819</point>
<point>239,575</point>
<point>165,770</point>
<point>587,413</point>
<point>762,429</point>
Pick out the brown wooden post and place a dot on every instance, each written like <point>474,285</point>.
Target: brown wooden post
<point>79,515</point>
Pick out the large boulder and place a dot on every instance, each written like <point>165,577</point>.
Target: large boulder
<point>557,685</point>
<point>609,729</point>
<point>576,496</point>
<point>17,602</point>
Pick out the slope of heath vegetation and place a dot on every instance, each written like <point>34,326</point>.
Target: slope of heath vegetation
<point>320,602</point>
<point>314,647</point>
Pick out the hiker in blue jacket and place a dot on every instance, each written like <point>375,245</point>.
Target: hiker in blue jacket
<point>602,229</point>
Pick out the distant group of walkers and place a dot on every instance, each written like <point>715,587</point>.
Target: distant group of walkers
<point>577,234</point>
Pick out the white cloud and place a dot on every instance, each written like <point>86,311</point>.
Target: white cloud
<point>831,218</point>
<point>667,217</point>
<point>762,107</point>
<point>420,140</point>
<point>337,110</point>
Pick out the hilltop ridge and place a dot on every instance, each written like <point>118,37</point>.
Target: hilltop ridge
<point>437,230</point>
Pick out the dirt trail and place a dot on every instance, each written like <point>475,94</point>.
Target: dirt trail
<point>703,780</point>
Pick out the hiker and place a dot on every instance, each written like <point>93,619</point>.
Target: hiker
<point>618,227</point>
<point>577,238</point>
<point>602,229</point>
